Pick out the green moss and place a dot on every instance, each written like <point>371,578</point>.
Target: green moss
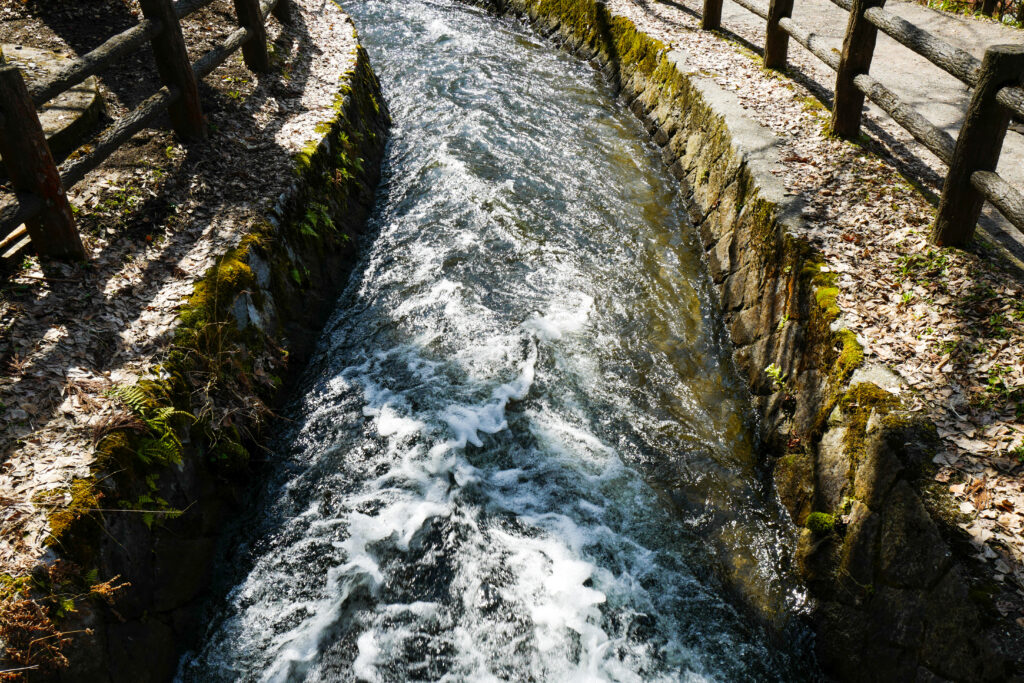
<point>14,587</point>
<point>215,293</point>
<point>851,356</point>
<point>858,404</point>
<point>85,499</point>
<point>826,300</point>
<point>820,523</point>
<point>765,233</point>
<point>73,527</point>
<point>812,105</point>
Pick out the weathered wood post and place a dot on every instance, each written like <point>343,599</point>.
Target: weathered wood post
<point>858,48</point>
<point>31,169</point>
<point>977,146</point>
<point>283,11</point>
<point>988,7</point>
<point>175,69</point>
<point>711,17</point>
<point>254,50</point>
<point>776,41</point>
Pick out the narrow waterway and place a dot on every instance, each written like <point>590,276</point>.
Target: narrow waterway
<point>523,454</point>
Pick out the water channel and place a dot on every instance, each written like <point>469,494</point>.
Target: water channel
<point>522,453</point>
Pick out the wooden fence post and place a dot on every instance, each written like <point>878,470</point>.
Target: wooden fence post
<point>31,169</point>
<point>988,7</point>
<point>776,41</point>
<point>254,50</point>
<point>283,11</point>
<point>977,146</point>
<point>175,69</point>
<point>858,48</point>
<point>711,17</point>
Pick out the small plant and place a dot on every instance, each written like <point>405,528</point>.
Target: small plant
<point>997,326</point>
<point>782,322</point>
<point>778,379</point>
<point>317,218</point>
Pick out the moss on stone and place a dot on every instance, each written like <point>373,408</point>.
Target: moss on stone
<point>858,404</point>
<point>826,300</point>
<point>851,356</point>
<point>820,523</point>
<point>73,528</point>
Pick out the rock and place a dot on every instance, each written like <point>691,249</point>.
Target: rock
<point>953,645</point>
<point>177,582</point>
<point>912,554</point>
<point>860,549</point>
<point>794,477</point>
<point>141,651</point>
<point>833,470</point>
<point>877,472</point>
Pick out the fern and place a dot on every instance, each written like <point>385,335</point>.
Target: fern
<point>134,397</point>
<point>161,446</point>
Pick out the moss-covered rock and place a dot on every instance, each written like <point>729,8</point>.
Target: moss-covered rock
<point>820,523</point>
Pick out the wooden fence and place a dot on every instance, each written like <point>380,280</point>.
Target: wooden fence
<point>971,157</point>
<point>40,213</point>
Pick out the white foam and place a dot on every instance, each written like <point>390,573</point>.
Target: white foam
<point>364,667</point>
<point>562,319</point>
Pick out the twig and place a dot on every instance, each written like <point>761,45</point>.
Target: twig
<point>47,278</point>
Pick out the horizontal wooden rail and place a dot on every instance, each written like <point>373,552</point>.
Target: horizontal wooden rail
<point>95,61</point>
<point>954,61</point>
<point>752,6</point>
<point>13,243</point>
<point>218,55</point>
<point>998,94</point>
<point>103,56</point>
<point>73,170</point>
<point>1013,99</point>
<point>24,208</point>
<point>924,131</point>
<point>1006,198</point>
<point>814,43</point>
<point>183,8</point>
<point>178,96</point>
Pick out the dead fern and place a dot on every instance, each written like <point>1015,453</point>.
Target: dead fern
<point>30,639</point>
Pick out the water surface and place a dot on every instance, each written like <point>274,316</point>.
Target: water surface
<point>523,454</point>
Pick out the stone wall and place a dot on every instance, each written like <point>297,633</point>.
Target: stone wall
<point>242,339</point>
<point>850,464</point>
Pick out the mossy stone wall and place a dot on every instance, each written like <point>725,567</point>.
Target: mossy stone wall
<point>243,337</point>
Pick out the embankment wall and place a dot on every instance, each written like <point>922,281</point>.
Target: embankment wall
<point>241,340</point>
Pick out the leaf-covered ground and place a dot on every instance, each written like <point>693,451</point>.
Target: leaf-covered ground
<point>153,217</point>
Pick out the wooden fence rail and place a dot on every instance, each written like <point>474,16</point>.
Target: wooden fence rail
<point>41,213</point>
<point>972,157</point>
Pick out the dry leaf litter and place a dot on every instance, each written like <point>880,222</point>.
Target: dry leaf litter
<point>153,217</point>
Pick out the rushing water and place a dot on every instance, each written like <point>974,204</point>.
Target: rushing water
<point>523,454</point>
